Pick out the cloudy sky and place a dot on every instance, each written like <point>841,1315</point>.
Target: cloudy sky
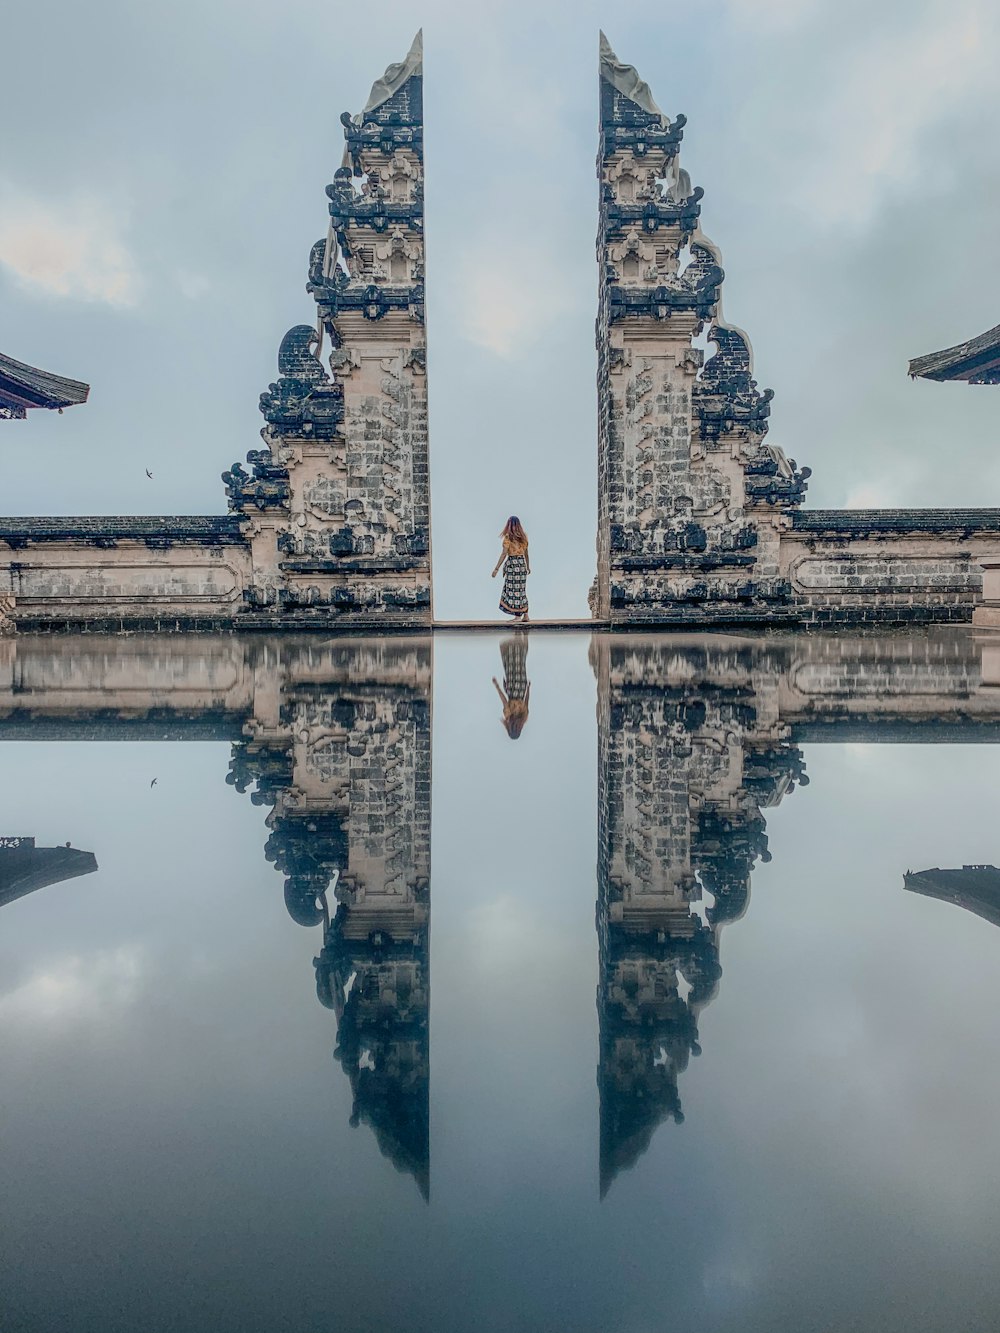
<point>165,182</point>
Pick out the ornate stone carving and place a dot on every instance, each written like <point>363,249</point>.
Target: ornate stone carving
<point>345,473</point>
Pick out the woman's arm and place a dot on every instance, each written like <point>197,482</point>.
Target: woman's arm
<point>503,557</point>
<point>503,697</point>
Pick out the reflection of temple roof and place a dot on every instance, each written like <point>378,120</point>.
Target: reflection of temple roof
<point>976,361</point>
<point>637,1083</point>
<point>378,990</point>
<point>23,387</point>
<point>393,1099</point>
<point>648,1030</point>
<point>25,867</point>
<point>976,888</point>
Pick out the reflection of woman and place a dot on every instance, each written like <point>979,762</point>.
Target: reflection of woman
<point>514,558</point>
<point>516,686</point>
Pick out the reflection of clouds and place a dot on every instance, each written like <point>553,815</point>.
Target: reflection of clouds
<point>873,1016</point>
<point>502,932</point>
<point>839,1156</point>
<point>728,1280</point>
<point>76,988</point>
<point>860,753</point>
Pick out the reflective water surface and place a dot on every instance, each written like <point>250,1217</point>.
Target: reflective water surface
<point>517,982</point>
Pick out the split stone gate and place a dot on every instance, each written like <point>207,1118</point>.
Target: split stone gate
<point>700,520</point>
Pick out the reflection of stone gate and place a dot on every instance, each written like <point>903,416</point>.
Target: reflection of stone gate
<point>697,735</point>
<point>690,750</point>
<point>344,760</point>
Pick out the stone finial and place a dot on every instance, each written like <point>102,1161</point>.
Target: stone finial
<point>393,116</point>
<point>631,121</point>
<point>396,75</point>
<point>625,78</point>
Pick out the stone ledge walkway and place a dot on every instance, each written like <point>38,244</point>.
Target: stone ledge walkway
<point>491,626</point>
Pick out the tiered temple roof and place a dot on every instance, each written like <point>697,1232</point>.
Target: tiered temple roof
<point>23,386</point>
<point>976,361</point>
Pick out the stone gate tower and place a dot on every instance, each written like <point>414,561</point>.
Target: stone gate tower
<point>691,500</point>
<point>337,506</point>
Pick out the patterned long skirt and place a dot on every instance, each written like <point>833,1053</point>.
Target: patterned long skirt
<point>514,655</point>
<point>514,598</point>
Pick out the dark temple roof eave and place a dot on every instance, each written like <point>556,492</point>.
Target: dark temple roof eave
<point>976,361</point>
<point>222,529</point>
<point>26,386</point>
<point>856,522</point>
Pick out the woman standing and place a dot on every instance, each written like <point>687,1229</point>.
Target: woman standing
<point>514,559</point>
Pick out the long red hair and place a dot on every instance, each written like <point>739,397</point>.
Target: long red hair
<point>514,718</point>
<point>514,536</point>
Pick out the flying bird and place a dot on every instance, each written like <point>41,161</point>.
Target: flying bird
<point>154,782</point>
<point>149,474</point>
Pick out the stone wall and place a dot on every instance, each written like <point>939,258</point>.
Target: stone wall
<point>115,573</point>
<point>888,566</point>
